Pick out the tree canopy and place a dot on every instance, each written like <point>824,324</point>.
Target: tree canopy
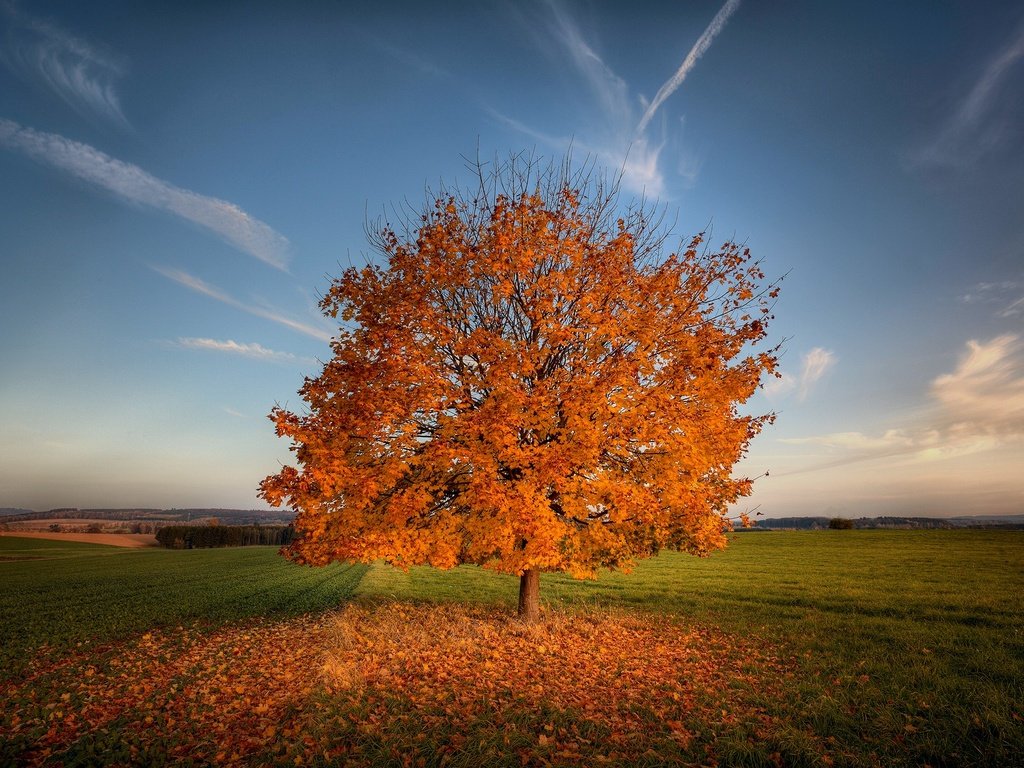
<point>528,380</point>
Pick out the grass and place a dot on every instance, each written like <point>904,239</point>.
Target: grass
<point>62,594</point>
<point>830,647</point>
<point>910,644</point>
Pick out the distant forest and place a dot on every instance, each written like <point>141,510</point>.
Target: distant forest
<point>211,536</point>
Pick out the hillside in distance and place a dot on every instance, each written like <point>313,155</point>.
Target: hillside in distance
<point>9,515</point>
<point>148,515</point>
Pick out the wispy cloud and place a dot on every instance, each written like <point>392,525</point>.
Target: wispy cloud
<point>975,126</point>
<point>619,138</point>
<point>813,366</point>
<point>251,350</point>
<point>609,89</point>
<point>979,406</point>
<point>614,143</point>
<point>699,49</point>
<point>130,182</point>
<point>1004,297</point>
<point>76,70</point>
<point>986,391</point>
<point>637,164</point>
<point>533,133</point>
<point>199,286</point>
<point>1013,309</point>
<point>406,56</point>
<point>857,441</point>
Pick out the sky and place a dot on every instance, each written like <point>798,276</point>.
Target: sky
<point>178,182</point>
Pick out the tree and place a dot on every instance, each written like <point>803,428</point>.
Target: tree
<point>840,524</point>
<point>530,383</point>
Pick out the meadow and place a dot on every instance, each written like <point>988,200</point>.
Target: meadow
<point>814,648</point>
<point>62,595</point>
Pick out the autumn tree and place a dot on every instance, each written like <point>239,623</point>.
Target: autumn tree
<point>529,381</point>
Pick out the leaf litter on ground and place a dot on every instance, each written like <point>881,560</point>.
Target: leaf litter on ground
<point>400,683</point>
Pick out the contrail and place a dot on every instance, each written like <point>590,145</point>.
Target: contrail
<point>702,44</point>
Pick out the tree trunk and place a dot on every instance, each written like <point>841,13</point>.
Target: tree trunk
<point>529,596</point>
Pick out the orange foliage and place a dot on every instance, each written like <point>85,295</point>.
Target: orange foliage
<point>528,383</point>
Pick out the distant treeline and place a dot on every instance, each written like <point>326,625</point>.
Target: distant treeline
<point>1007,522</point>
<point>209,536</point>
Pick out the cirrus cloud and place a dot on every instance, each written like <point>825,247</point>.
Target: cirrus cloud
<point>76,70</point>
<point>814,364</point>
<point>252,350</point>
<point>197,285</point>
<point>129,182</point>
<point>983,121</point>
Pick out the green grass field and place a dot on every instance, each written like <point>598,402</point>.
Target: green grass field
<point>59,594</point>
<point>904,647</point>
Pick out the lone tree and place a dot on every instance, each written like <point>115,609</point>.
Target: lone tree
<point>528,382</point>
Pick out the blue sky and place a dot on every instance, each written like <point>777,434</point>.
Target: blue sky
<point>178,181</point>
